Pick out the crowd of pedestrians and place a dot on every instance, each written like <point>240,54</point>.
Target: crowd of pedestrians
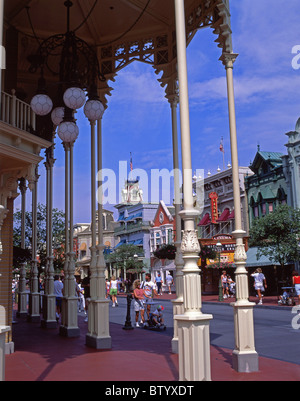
<point>143,292</point>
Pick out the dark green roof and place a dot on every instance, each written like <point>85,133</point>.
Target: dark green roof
<point>273,159</point>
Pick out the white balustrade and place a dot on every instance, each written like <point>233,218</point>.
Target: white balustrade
<point>16,112</point>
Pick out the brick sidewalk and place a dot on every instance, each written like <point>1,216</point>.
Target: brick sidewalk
<point>137,355</point>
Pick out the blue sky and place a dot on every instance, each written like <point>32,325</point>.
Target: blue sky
<point>138,118</point>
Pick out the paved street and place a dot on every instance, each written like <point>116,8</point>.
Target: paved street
<point>43,355</point>
<point>275,337</point>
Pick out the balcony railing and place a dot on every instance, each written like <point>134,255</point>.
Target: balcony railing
<point>17,113</point>
<point>132,227</point>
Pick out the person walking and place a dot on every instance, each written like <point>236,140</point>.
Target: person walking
<point>138,297</point>
<point>296,284</point>
<point>58,292</point>
<point>80,291</point>
<point>225,284</point>
<point>113,291</point>
<point>158,281</point>
<point>149,291</point>
<point>260,283</point>
<point>86,285</point>
<point>107,285</point>
<point>170,282</point>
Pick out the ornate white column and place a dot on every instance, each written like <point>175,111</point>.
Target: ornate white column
<point>98,328</point>
<point>4,330</point>
<point>34,296</point>
<point>193,325</point>
<point>22,297</point>
<point>49,300</point>
<point>69,325</point>
<point>178,308</point>
<point>245,358</point>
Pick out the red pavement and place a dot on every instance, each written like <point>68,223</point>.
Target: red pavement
<point>137,355</point>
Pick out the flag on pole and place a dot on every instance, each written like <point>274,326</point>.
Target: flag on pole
<point>222,146</point>
<point>223,151</point>
<point>131,165</point>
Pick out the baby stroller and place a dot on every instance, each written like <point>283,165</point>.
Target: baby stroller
<point>156,320</point>
<point>287,298</point>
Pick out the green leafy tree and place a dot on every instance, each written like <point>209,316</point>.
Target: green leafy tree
<point>276,235</point>
<point>125,258</point>
<point>58,234</point>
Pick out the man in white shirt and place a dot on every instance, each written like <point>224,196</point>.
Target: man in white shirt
<point>58,292</point>
<point>170,282</point>
<point>260,283</point>
<point>149,291</point>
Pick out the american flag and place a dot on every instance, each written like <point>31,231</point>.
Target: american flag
<point>131,165</point>
<point>222,146</point>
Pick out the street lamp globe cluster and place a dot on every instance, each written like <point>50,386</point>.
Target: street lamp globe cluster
<point>74,99</point>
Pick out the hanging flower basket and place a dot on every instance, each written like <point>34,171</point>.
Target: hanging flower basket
<point>166,252</point>
<point>220,265</point>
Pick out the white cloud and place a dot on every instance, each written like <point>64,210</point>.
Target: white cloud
<point>247,88</point>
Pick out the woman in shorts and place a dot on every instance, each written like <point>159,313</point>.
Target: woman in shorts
<point>260,283</point>
<point>138,299</point>
<point>296,283</point>
<point>113,291</point>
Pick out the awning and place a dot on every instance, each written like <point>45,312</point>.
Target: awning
<point>252,260</point>
<point>135,216</point>
<point>231,216</point>
<point>224,216</point>
<point>123,242</point>
<point>205,220</point>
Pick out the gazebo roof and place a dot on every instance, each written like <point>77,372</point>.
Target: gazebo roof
<point>108,20</point>
<point>120,30</point>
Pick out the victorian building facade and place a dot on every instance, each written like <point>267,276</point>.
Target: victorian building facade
<point>162,233</point>
<point>214,198</point>
<point>134,220</point>
<point>291,167</point>
<point>83,241</point>
<point>267,187</point>
<point>216,223</point>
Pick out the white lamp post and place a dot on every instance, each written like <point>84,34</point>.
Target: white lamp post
<point>77,70</point>
<point>98,325</point>
<point>68,132</point>
<point>193,325</point>
<point>245,357</point>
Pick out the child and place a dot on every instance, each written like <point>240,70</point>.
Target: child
<point>231,286</point>
<point>157,316</point>
<point>113,290</point>
<point>283,299</point>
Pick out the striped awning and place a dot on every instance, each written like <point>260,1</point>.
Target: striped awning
<point>205,220</point>
<point>224,216</point>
